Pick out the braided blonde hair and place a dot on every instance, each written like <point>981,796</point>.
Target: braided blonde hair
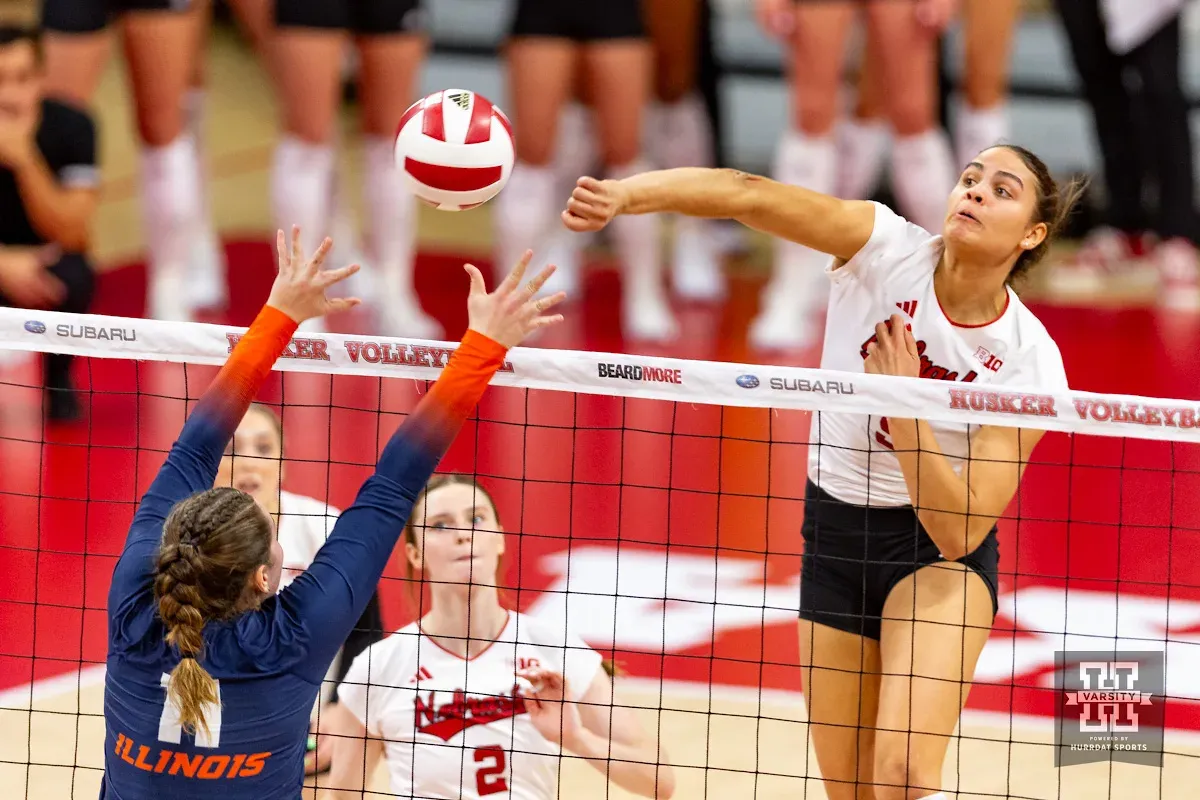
<point>212,545</point>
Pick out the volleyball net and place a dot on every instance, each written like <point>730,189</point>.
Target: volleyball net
<point>653,507</point>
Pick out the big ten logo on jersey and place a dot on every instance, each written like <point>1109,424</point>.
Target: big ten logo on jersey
<point>988,359</point>
<point>526,663</point>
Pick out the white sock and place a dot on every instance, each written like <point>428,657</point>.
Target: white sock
<point>862,156</point>
<point>301,185</point>
<point>977,129</point>
<point>301,188</point>
<point>682,137</point>
<point>798,284</point>
<point>524,214</point>
<point>392,236</point>
<point>171,206</point>
<point>347,248</point>
<point>206,268</point>
<point>193,115</point>
<point>646,313</point>
<point>812,163</point>
<point>576,155</point>
<point>922,176</point>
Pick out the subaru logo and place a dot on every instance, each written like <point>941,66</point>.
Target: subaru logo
<point>33,326</point>
<point>747,381</point>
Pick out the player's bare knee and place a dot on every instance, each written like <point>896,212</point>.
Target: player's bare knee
<point>159,125</point>
<point>984,88</point>
<point>674,82</point>
<point>816,112</point>
<point>912,113</point>
<point>535,150</point>
<point>901,775</point>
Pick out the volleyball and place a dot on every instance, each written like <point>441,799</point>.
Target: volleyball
<point>455,148</point>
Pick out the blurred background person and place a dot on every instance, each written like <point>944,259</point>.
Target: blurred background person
<point>679,130</point>
<point>48,195</point>
<point>206,279</point>
<point>1127,57</point>
<point>308,53</point>
<point>903,38</point>
<point>980,118</point>
<point>679,133</point>
<point>600,53</point>
<point>159,39</point>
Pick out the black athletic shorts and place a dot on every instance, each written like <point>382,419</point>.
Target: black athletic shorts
<point>366,17</point>
<point>90,16</point>
<point>579,20</point>
<point>854,556</point>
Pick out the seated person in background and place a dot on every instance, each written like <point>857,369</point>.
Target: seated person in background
<point>48,191</point>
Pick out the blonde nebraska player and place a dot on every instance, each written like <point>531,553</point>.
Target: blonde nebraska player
<point>900,567</point>
<point>474,699</point>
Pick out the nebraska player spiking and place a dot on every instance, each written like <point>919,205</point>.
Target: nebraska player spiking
<point>901,558</point>
<point>468,702</point>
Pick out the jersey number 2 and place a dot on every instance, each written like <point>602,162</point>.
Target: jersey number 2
<point>170,729</point>
<point>489,778</point>
<point>881,435</point>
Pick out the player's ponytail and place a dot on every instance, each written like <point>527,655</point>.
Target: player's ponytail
<point>1055,203</point>
<point>212,545</point>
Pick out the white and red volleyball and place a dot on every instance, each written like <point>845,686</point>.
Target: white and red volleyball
<point>455,149</point>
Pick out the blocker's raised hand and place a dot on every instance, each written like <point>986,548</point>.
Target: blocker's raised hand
<point>513,311</point>
<point>299,288</point>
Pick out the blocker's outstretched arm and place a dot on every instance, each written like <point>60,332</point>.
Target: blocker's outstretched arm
<point>297,294</point>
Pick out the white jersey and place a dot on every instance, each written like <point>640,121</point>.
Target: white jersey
<point>893,273</point>
<point>304,525</point>
<point>454,728</point>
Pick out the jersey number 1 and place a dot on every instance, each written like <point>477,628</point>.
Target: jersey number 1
<point>170,729</point>
<point>489,778</point>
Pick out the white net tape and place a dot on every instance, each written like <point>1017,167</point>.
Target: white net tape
<point>678,380</point>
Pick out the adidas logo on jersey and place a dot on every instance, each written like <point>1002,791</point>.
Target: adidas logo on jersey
<point>909,307</point>
<point>451,718</point>
<point>422,674</point>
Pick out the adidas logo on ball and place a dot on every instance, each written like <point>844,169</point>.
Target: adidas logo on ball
<point>455,148</point>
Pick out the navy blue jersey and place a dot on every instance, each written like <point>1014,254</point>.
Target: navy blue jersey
<point>269,662</point>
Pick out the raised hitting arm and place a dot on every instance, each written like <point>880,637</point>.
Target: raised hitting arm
<point>824,223</point>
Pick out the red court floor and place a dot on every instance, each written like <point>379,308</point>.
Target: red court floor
<point>689,514</point>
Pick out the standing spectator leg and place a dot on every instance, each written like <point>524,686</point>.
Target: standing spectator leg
<point>982,116</point>
<point>679,134</point>
<point>1115,245</point>
<point>79,281</point>
<point>1169,152</point>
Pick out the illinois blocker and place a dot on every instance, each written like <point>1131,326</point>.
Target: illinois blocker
<point>212,675</point>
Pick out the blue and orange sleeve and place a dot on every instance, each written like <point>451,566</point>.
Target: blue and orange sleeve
<point>327,599</point>
<point>192,464</point>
